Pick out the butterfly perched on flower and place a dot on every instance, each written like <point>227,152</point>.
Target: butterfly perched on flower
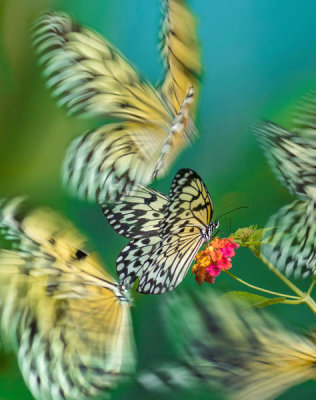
<point>63,314</point>
<point>91,78</point>
<point>226,346</point>
<point>166,232</point>
<point>292,156</point>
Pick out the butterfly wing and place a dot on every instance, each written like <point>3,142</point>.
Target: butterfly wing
<point>292,157</point>
<point>224,345</point>
<point>169,261</point>
<point>137,215</point>
<point>65,316</point>
<point>181,54</point>
<point>111,160</point>
<point>88,74</point>
<point>189,203</point>
<point>291,246</point>
<point>188,211</point>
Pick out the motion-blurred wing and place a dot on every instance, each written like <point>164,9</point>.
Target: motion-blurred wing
<point>108,162</point>
<point>221,345</point>
<point>291,246</point>
<point>67,318</point>
<point>138,214</point>
<point>88,74</point>
<point>169,262</point>
<point>189,203</point>
<point>292,157</point>
<point>181,54</point>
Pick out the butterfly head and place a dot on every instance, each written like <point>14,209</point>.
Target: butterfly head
<point>124,294</point>
<point>208,233</point>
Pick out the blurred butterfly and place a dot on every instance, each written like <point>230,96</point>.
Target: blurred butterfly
<point>91,78</point>
<point>166,232</point>
<point>228,347</point>
<point>292,156</point>
<point>63,314</point>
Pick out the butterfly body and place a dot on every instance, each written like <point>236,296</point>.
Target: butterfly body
<point>166,232</point>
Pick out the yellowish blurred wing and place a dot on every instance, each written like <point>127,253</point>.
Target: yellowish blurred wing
<point>64,315</point>
<point>89,76</point>
<point>181,54</point>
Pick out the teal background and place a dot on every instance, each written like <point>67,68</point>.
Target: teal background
<point>258,58</point>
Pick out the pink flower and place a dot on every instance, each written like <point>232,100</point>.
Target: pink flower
<point>214,258</point>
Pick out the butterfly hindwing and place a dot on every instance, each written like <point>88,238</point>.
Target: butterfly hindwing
<point>137,215</point>
<point>111,160</point>
<point>170,260</point>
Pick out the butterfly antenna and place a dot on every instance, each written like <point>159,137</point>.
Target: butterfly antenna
<point>228,212</point>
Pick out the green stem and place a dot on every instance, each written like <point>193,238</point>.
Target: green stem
<point>304,297</point>
<point>261,289</point>
<point>279,274</point>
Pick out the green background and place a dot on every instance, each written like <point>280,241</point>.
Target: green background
<point>258,58</point>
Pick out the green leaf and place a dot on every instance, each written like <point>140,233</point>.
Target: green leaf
<point>248,299</point>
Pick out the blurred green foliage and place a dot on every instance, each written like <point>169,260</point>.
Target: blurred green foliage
<point>258,58</point>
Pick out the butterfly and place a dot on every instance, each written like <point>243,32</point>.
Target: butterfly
<point>292,155</point>
<point>222,345</point>
<point>91,78</point>
<point>166,232</point>
<point>63,314</point>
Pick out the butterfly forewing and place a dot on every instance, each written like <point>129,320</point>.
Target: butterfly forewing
<point>90,76</point>
<point>181,53</point>
<point>63,313</point>
<point>138,214</point>
<point>189,203</point>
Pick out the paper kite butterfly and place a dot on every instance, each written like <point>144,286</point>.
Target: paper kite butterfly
<point>91,78</point>
<point>166,232</point>
<point>63,314</point>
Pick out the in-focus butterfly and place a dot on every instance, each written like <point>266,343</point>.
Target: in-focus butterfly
<point>63,314</point>
<point>292,244</point>
<point>223,345</point>
<point>166,232</point>
<point>91,78</point>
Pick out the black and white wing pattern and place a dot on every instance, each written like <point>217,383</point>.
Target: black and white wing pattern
<point>221,346</point>
<point>292,156</point>
<point>189,203</point>
<point>137,215</point>
<point>91,78</point>
<point>291,246</point>
<point>167,232</point>
<point>63,314</point>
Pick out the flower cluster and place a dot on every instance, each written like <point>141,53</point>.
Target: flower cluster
<point>214,258</point>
